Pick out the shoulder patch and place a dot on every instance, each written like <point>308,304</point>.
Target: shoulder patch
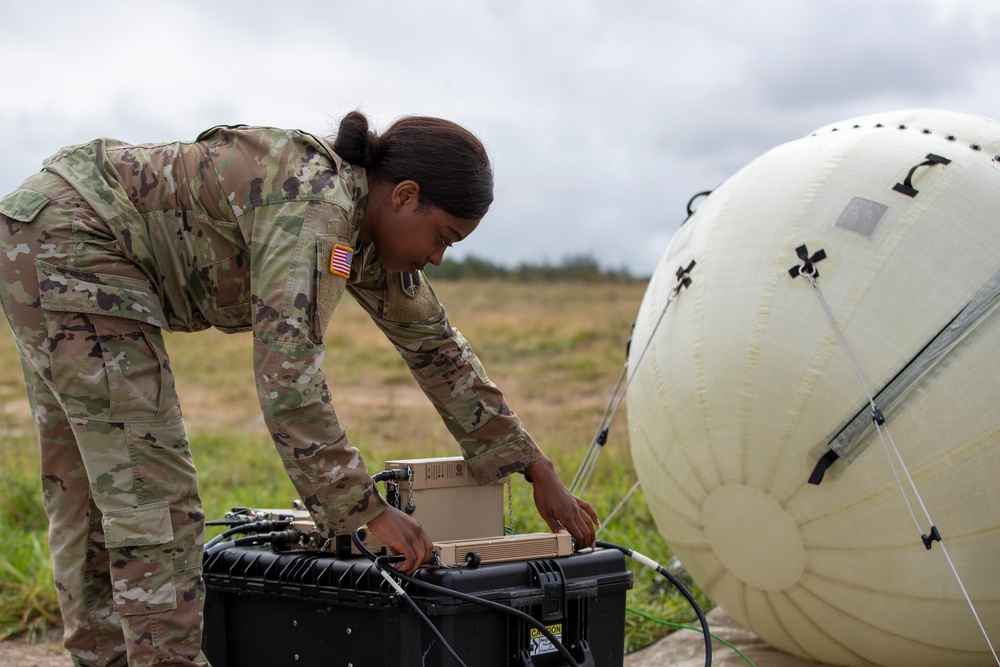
<point>410,283</point>
<point>409,299</point>
<point>340,260</point>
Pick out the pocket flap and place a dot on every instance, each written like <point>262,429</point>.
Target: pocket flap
<point>74,291</point>
<point>138,526</point>
<point>23,205</point>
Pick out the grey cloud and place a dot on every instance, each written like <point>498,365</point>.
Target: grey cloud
<point>602,119</point>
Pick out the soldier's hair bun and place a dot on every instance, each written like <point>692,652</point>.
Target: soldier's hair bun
<point>355,142</point>
<point>447,161</point>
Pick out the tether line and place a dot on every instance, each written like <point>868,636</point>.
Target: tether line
<point>586,470</point>
<point>878,418</point>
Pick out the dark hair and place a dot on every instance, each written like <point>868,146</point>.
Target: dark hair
<point>446,160</point>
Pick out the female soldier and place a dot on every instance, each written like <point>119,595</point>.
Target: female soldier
<point>246,228</point>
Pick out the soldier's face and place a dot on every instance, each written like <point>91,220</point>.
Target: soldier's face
<point>414,235</point>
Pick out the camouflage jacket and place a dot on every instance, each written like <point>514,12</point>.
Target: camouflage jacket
<point>257,229</point>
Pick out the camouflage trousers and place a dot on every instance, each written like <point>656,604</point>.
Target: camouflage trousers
<point>126,529</point>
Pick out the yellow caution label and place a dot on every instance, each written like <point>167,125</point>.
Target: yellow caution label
<point>540,643</point>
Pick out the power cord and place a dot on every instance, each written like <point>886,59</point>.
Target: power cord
<point>652,564</point>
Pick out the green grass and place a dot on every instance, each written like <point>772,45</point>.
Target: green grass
<point>555,349</point>
<point>27,597</point>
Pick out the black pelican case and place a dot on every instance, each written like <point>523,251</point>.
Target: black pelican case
<point>303,609</point>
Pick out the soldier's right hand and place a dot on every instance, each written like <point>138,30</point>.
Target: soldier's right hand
<point>404,536</point>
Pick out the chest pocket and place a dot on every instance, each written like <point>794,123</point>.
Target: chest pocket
<point>220,280</point>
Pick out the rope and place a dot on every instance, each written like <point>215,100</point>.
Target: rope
<point>884,436</point>
<point>621,503</point>
<point>586,470</point>
<point>589,463</point>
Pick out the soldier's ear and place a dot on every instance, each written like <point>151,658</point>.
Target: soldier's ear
<point>406,193</point>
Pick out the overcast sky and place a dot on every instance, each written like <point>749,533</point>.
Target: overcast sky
<point>602,118</point>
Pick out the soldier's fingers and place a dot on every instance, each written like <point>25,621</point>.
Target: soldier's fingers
<point>585,506</point>
<point>408,566</point>
<point>418,552</point>
<point>582,531</point>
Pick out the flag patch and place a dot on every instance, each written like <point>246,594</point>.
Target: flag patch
<point>340,260</point>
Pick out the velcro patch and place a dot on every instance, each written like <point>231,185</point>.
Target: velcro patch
<point>340,260</point>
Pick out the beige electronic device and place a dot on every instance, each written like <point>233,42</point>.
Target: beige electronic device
<point>448,502</point>
<point>529,546</point>
<point>465,520</point>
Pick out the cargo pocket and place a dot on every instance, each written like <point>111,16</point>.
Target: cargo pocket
<point>105,347</point>
<point>142,570</point>
<point>23,205</point>
<point>75,291</point>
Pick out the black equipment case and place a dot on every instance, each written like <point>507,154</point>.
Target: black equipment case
<point>303,609</point>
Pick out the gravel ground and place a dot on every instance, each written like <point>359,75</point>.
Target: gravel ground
<point>687,649</point>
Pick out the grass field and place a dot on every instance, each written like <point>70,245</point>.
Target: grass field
<point>555,349</point>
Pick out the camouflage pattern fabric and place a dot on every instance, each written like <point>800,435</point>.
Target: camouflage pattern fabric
<point>242,230</point>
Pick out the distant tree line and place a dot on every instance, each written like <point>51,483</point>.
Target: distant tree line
<point>576,268</point>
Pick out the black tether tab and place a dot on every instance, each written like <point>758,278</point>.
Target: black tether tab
<point>807,268</point>
<point>906,187</point>
<point>929,540</point>
<point>683,279</point>
<point>824,462</point>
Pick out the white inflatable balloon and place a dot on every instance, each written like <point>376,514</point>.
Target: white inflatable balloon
<point>747,383</point>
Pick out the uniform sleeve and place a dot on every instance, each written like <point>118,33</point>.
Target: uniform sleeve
<point>293,295</point>
<point>493,440</point>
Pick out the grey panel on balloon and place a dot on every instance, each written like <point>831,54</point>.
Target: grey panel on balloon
<point>862,216</point>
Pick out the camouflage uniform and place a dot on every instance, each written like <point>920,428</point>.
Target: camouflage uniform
<point>244,229</point>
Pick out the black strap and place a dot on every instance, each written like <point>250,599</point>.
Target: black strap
<point>906,187</point>
<point>824,462</point>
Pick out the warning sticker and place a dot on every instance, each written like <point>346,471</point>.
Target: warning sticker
<point>540,644</point>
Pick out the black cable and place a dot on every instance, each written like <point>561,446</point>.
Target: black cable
<point>395,474</point>
<point>489,604</point>
<point>420,613</point>
<point>276,537</point>
<point>378,561</point>
<point>235,521</point>
<point>648,562</point>
<point>250,527</point>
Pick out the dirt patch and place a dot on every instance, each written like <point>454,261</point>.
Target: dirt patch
<point>46,651</point>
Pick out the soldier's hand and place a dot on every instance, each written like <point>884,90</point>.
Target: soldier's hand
<point>404,536</point>
<point>560,509</point>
